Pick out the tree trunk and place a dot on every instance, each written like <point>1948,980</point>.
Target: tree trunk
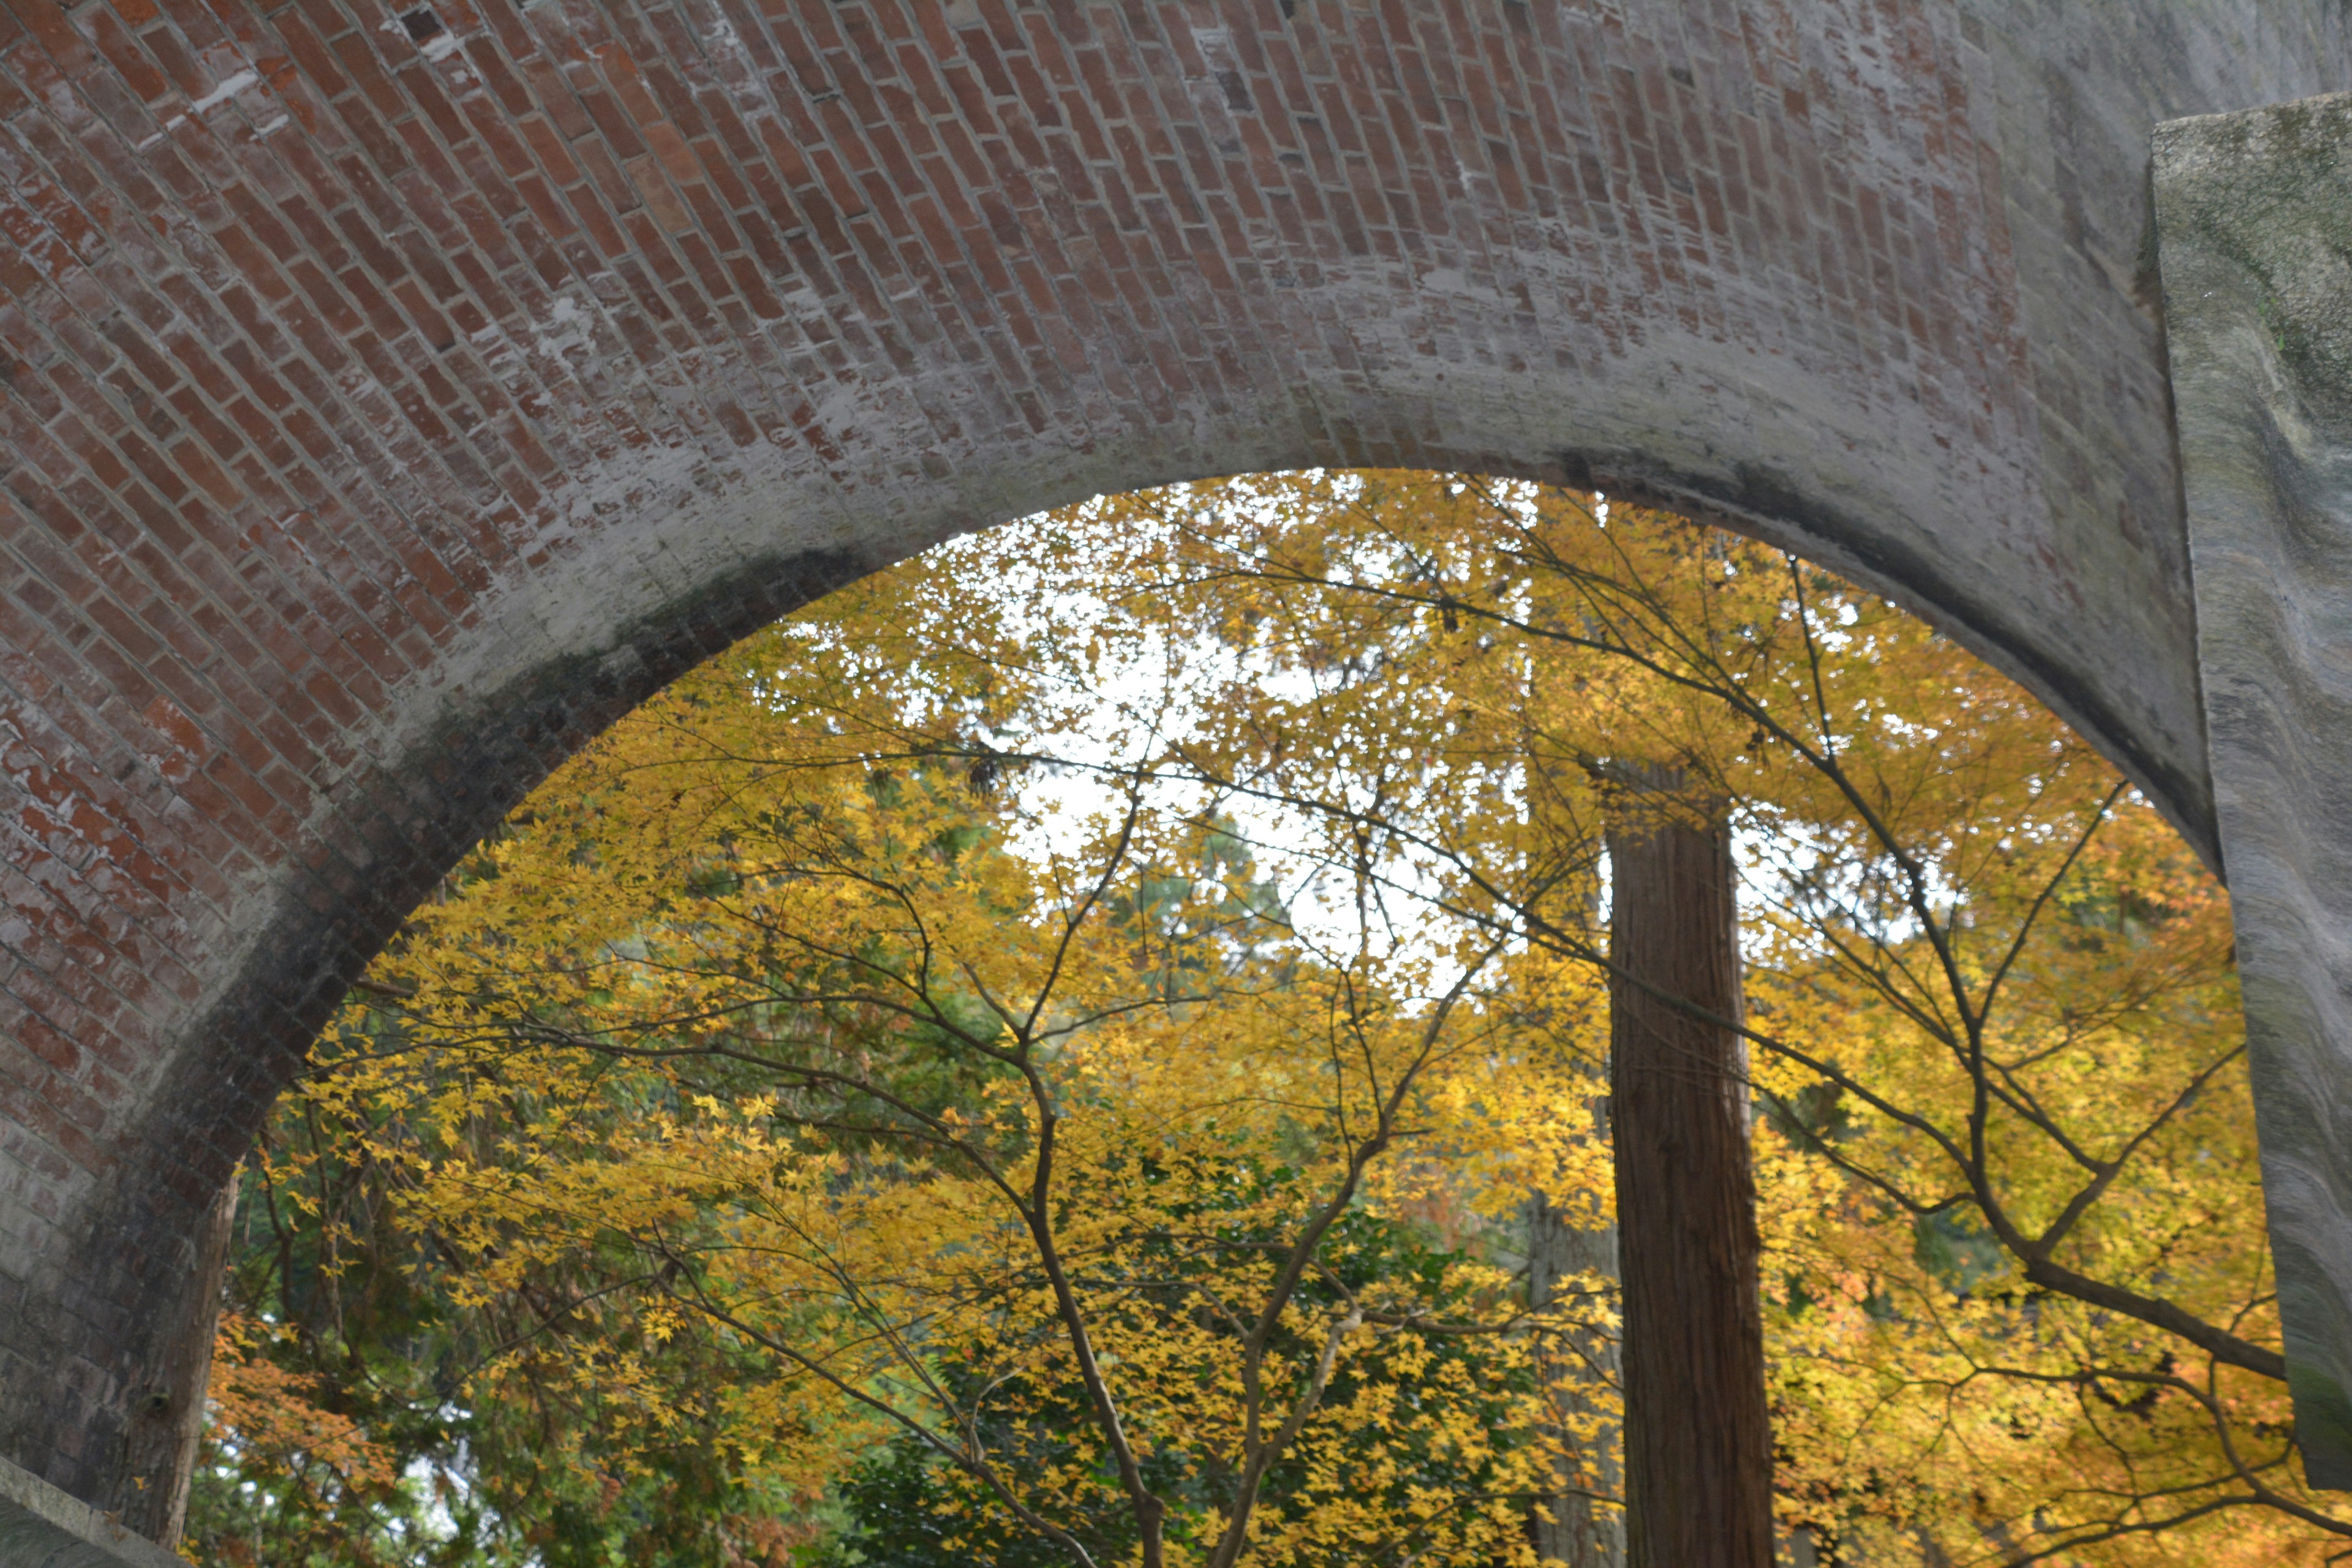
<point>1698,1435</point>
<point>1582,1531</point>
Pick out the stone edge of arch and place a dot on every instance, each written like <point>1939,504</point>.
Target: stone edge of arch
<point>42,1527</point>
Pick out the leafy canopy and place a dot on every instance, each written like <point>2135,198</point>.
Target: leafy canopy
<point>1051,1045</point>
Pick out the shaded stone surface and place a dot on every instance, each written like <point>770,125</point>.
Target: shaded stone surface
<point>41,1527</point>
<point>2254,215</point>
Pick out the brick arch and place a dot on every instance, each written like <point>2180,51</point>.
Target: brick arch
<point>392,397</point>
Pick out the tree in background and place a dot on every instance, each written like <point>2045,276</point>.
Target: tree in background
<point>2015,1289</point>
<point>1068,1182</point>
<point>1697,1449</point>
<point>1990,1013</point>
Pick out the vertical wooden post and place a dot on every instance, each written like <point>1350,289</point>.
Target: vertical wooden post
<point>1698,1437</point>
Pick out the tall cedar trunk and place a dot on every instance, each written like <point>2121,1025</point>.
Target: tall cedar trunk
<point>1698,1433</point>
<point>1582,1531</point>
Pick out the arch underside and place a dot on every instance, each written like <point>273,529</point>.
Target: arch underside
<point>391,414</point>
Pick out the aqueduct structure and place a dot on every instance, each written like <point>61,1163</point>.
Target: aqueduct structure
<point>392,395</point>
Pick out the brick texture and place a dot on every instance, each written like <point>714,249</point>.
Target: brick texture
<point>390,396</point>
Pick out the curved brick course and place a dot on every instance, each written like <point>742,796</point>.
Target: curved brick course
<point>390,400</point>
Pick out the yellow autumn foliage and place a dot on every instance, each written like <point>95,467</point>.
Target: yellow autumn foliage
<point>926,1131</point>
<point>1095,1002</point>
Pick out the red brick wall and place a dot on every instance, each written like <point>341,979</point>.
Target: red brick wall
<point>384,413</point>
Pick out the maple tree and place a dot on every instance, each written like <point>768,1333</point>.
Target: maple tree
<point>2021,1307</point>
<point>756,1046</point>
<point>900,1016</point>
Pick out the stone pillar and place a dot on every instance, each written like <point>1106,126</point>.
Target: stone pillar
<point>2253,213</point>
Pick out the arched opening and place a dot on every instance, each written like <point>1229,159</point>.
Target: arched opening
<point>1943,1251</point>
<point>683,566</point>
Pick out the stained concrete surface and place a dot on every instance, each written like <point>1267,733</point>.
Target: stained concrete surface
<point>2255,220</point>
<point>41,1527</point>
